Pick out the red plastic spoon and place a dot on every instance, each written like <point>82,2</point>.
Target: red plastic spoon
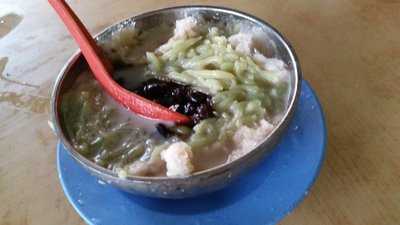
<point>101,69</point>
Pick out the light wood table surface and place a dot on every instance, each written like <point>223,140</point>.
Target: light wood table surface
<point>349,51</point>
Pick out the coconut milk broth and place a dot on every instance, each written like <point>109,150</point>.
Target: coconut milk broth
<point>133,72</point>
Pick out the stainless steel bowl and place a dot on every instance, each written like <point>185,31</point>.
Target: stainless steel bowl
<point>203,181</point>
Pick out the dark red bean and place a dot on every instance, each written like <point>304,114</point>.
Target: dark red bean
<point>120,81</point>
<point>164,131</point>
<point>177,97</point>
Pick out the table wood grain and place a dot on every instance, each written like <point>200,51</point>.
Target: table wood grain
<point>349,51</point>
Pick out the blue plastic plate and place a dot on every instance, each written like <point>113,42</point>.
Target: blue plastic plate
<point>263,196</point>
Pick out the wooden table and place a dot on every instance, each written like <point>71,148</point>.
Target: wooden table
<point>349,51</point>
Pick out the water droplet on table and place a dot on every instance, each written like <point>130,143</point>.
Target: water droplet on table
<point>101,182</point>
<point>95,220</point>
<point>8,23</point>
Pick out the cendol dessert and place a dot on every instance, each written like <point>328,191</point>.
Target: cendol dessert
<point>219,76</point>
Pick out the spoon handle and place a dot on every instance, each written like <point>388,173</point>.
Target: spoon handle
<point>101,69</point>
